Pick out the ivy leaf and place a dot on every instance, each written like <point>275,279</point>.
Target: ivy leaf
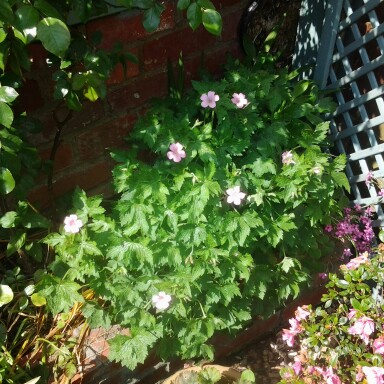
<point>6,115</point>
<point>9,220</point>
<point>212,21</point>
<point>151,18</point>
<point>38,300</point>
<point>6,294</point>
<point>16,241</point>
<point>6,13</point>
<point>183,4</point>
<point>47,9</point>
<point>194,16</point>
<point>27,18</point>
<point>91,94</point>
<point>54,35</point>
<point>7,94</point>
<point>7,182</point>
<point>131,350</point>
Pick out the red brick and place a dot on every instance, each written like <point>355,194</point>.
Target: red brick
<point>159,50</point>
<point>118,75</point>
<point>94,142</point>
<point>38,56</point>
<point>138,92</point>
<point>63,157</point>
<point>220,4</point>
<point>127,27</point>
<point>30,98</point>
<point>86,178</point>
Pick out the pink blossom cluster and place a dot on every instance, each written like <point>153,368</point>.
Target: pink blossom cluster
<point>361,326</point>
<point>289,335</point>
<point>356,228</point>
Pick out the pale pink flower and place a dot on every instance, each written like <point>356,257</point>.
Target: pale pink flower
<point>381,192</point>
<point>235,195</point>
<point>357,261</point>
<point>328,228</point>
<point>352,314</point>
<point>374,375</point>
<point>287,158</point>
<point>289,337</point>
<point>359,374</point>
<point>295,325</point>
<point>239,100</point>
<point>302,313</point>
<point>378,345</point>
<point>72,224</point>
<point>363,327</point>
<point>297,367</point>
<point>176,152</point>
<point>209,99</point>
<point>330,377</point>
<point>161,300</point>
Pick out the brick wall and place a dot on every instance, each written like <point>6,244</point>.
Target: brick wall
<point>83,157</point>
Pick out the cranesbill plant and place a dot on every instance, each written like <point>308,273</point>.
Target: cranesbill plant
<point>222,219</point>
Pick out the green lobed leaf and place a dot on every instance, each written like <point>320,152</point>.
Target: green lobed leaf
<point>131,350</point>
<point>61,295</point>
<point>54,35</point>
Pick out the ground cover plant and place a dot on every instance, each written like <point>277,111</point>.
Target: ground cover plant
<point>219,215</point>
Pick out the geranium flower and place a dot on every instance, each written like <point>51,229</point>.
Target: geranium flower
<point>287,158</point>
<point>235,195</point>
<point>239,100</point>
<point>378,345</point>
<point>176,152</point>
<point>72,224</point>
<point>374,375</point>
<point>161,300</point>
<point>363,327</point>
<point>209,99</point>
